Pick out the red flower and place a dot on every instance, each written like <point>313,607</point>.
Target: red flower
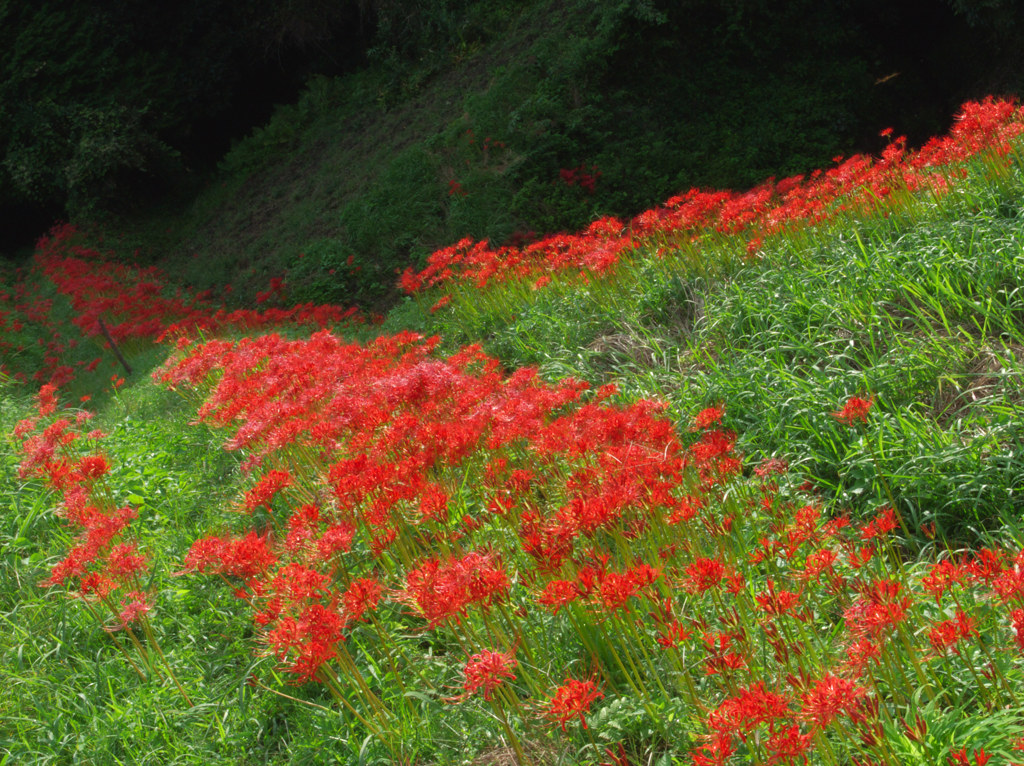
<point>362,594</point>
<point>674,634</point>
<point>752,706</point>
<point>1017,615</point>
<point>886,521</point>
<point>855,410</point>
<point>959,757</point>
<point>134,606</point>
<point>572,699</point>
<point>707,417</point>
<point>92,467</point>
<point>265,489</point>
<point>704,574</point>
<point>558,593</point>
<point>774,603</point>
<point>947,634</point>
<point>124,562</point>
<point>716,752</point>
<point>487,669</point>
<point>788,744</point>
<point>829,698</point>
<point>880,608</point>
<point>942,576</point>
<point>47,399</point>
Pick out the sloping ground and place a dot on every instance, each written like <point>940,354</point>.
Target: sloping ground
<point>340,172</point>
<point>565,112</point>
<point>447,559</point>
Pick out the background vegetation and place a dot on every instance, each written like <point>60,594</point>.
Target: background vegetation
<point>404,125</point>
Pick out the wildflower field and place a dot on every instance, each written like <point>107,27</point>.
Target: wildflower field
<point>736,481</point>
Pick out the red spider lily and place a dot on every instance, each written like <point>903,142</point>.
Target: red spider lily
<point>829,698</point>
<point>818,563</point>
<point>572,700</point>
<point>857,182</point>
<point>750,707</point>
<point>444,591</point>
<point>96,584</point>
<point>880,608</point>
<point>858,557</point>
<point>787,744</point>
<point>335,539</point>
<point>361,595</point>
<point>803,528</point>
<point>673,634</point>
<point>558,593</point>
<point>860,653</point>
<point>97,286</point>
<point>884,523</point>
<point>124,563</point>
<point>775,603</point>
<point>487,670</point>
<point>855,410</point>
<point>987,565</point>
<point>303,528</point>
<point>615,589</point>
<point>720,659</point>
<point>1017,623</point>
<point>942,576</point>
<point>294,583</point>
<point>133,606</point>
<point>948,633</point>
<point>716,753</point>
<point>92,467</point>
<point>266,488</point>
<point>704,574</point>
<point>684,509</point>
<point>304,643</point>
<point>244,557</point>
<point>707,418</point>
<point>47,400</point>
<point>1009,582</point>
<point>433,504</point>
<point>616,759</point>
<point>959,757</point>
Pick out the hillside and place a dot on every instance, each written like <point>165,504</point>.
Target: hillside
<point>522,119</point>
<point>734,480</point>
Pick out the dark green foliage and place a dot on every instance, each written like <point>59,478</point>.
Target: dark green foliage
<point>97,99</point>
<point>490,118</point>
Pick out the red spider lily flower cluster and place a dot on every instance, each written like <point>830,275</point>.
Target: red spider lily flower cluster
<point>959,757</point>
<point>468,500</point>
<point>25,317</point>
<point>134,301</point>
<point>855,410</point>
<point>101,565</point>
<point>399,499</point>
<point>572,700</point>
<point>487,670</point>
<point>857,183</point>
<point>582,176</point>
<point>131,302</point>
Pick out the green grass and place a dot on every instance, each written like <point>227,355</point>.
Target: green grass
<point>921,306</point>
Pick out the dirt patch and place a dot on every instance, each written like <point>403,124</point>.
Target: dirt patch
<point>984,378</point>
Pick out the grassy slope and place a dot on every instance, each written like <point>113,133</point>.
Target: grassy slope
<point>345,171</point>
<point>923,308</point>
<point>362,166</point>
